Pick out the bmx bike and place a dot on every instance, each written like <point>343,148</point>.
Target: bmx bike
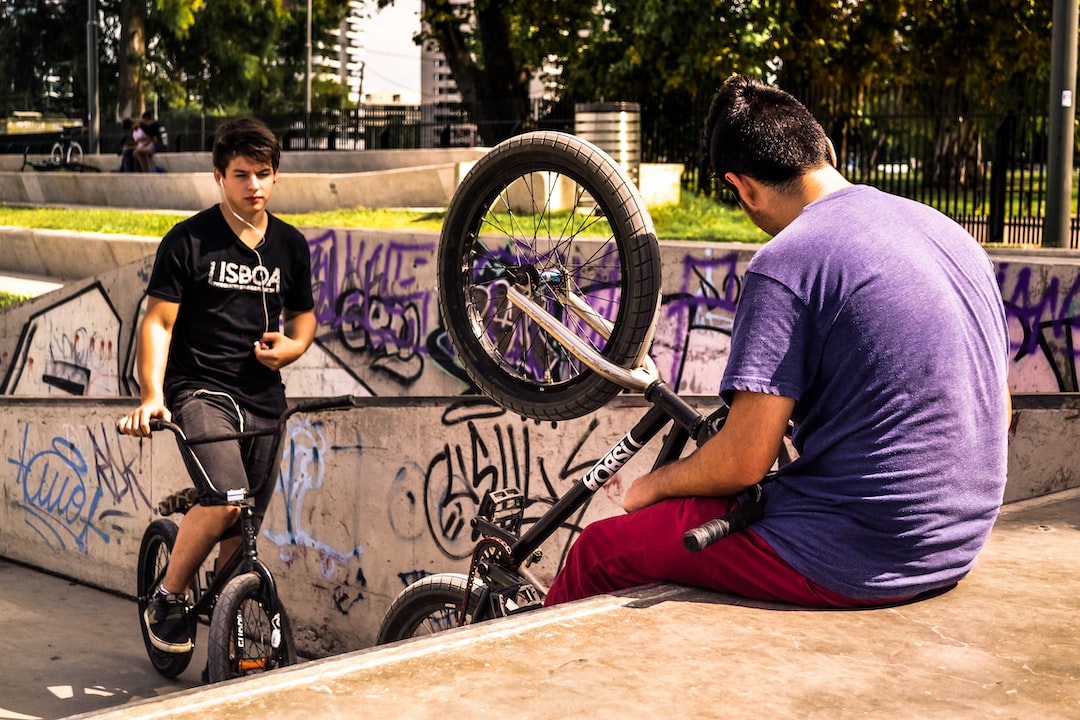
<point>549,288</point>
<point>249,629</point>
<point>66,151</point>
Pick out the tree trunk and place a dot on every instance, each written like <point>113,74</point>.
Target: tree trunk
<point>494,92</point>
<point>130,100</point>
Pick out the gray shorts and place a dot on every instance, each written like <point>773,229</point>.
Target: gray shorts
<point>229,464</point>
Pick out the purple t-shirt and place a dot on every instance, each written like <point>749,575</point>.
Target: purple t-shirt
<point>883,320</point>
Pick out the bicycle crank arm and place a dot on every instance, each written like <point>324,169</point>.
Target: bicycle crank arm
<point>638,378</point>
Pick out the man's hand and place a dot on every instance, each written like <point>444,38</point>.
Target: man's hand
<point>137,422</point>
<point>644,491</point>
<point>275,350</point>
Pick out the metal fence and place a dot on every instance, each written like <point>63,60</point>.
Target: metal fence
<point>986,170</point>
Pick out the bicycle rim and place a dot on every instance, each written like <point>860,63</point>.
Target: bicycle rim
<point>428,606</point>
<point>554,217</point>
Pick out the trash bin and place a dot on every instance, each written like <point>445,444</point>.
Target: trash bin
<point>614,127</point>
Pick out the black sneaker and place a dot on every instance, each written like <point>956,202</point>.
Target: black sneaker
<point>167,623</point>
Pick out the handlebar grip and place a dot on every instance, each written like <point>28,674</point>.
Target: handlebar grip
<point>157,425</point>
<point>747,513</point>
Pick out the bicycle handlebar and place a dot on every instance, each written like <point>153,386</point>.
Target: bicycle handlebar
<point>157,425</point>
<point>747,513</point>
<point>339,402</point>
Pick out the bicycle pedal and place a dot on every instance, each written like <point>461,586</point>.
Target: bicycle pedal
<point>526,599</point>
<point>503,509</point>
<point>179,502</point>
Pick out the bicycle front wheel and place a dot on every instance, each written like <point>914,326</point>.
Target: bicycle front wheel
<point>247,635</point>
<point>57,154</point>
<point>154,553</point>
<point>554,217</point>
<point>429,605</point>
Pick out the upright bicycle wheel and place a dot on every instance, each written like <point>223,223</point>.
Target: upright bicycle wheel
<point>555,218</point>
<point>75,153</point>
<point>154,553</point>
<point>429,605</point>
<point>57,154</point>
<point>247,635</point>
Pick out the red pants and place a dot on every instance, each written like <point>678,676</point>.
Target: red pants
<point>646,546</point>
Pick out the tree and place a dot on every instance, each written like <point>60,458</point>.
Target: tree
<point>494,49</point>
<point>232,55</point>
<point>42,38</point>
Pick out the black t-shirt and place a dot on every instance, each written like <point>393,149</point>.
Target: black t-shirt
<point>229,294</point>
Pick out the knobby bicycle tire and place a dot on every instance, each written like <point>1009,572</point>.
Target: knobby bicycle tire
<point>429,605</point>
<point>154,553</point>
<point>547,213</point>
<point>246,636</point>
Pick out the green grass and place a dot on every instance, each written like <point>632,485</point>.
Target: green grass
<point>7,299</point>
<point>694,218</point>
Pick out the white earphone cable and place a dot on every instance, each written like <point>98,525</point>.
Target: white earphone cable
<point>262,238</point>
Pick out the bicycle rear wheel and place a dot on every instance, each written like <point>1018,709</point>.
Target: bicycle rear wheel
<point>428,606</point>
<point>154,553</point>
<point>74,153</point>
<point>554,217</point>
<point>247,635</point>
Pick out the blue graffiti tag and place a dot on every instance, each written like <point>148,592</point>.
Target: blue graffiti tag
<point>60,506</point>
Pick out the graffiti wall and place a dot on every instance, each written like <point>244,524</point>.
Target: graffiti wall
<point>372,498</point>
<point>380,332</point>
<point>367,499</point>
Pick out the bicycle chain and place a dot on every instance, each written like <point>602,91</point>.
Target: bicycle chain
<point>480,551</point>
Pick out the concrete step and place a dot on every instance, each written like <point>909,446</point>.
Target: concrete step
<point>1001,644</point>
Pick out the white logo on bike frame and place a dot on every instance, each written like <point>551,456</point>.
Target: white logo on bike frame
<point>607,466</point>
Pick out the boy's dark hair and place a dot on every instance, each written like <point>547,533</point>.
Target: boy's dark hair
<point>762,132</point>
<point>247,137</point>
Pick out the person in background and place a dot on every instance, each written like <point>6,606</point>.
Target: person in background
<point>144,148</point>
<point>128,163</point>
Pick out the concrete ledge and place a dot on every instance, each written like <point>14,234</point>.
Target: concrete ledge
<point>1001,644</point>
<point>426,186</point>
<point>64,256</point>
<point>309,181</point>
<point>338,161</point>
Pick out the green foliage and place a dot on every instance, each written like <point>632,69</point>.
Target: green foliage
<point>7,299</point>
<point>239,55</point>
<point>249,55</point>
<point>647,49</point>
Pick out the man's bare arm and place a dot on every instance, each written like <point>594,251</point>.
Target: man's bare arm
<point>731,461</point>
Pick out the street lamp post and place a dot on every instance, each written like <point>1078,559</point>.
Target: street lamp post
<point>93,110</point>
<point>307,82</point>
<point>1057,224</point>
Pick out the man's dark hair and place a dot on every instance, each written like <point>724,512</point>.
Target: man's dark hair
<point>762,132</point>
<point>247,137</point>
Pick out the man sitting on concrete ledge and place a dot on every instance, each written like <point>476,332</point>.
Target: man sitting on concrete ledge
<point>874,323</point>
